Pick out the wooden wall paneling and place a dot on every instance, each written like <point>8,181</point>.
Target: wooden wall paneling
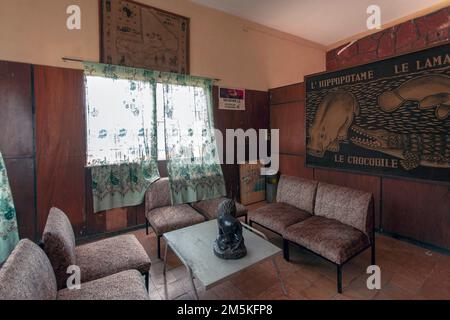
<point>289,119</point>
<point>417,210</point>
<point>16,141</point>
<point>356,181</point>
<point>256,116</point>
<point>293,165</point>
<point>140,214</point>
<point>290,93</point>
<point>21,180</point>
<point>60,144</point>
<point>117,219</point>
<point>16,111</point>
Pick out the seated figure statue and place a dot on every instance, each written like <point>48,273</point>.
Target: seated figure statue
<point>230,242</point>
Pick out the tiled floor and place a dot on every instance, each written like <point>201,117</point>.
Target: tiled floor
<point>407,272</point>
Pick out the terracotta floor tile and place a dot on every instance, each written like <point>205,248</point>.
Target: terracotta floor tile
<point>407,272</point>
<point>392,292</point>
<point>276,293</point>
<point>297,281</point>
<point>321,289</point>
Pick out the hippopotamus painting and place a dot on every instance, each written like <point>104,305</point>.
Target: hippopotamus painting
<point>429,91</point>
<point>331,123</point>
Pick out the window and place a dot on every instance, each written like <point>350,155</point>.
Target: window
<point>119,120</point>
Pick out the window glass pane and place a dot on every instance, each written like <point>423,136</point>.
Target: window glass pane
<point>119,120</point>
<point>160,120</point>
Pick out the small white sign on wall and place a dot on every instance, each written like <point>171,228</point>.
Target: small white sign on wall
<point>231,99</point>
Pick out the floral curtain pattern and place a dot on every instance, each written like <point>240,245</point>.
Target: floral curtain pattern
<point>9,235</point>
<point>193,161</point>
<point>121,134</point>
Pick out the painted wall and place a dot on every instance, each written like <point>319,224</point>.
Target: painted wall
<point>238,52</point>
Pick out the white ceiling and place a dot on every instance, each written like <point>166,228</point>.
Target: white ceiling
<point>322,21</point>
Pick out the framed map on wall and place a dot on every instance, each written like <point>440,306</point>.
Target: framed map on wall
<point>389,118</point>
<point>140,36</point>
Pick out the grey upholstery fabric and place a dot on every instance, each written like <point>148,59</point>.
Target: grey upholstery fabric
<point>158,195</point>
<point>27,274</point>
<point>126,285</point>
<point>297,192</point>
<point>112,255</point>
<point>59,244</point>
<point>278,216</point>
<point>169,218</point>
<point>209,208</point>
<point>346,205</point>
<point>328,237</point>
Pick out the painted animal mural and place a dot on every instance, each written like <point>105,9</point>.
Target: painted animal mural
<point>333,119</point>
<point>429,91</point>
<point>333,123</point>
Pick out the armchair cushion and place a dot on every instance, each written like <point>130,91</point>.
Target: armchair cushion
<point>297,192</point>
<point>59,244</point>
<point>209,208</point>
<point>27,274</point>
<point>278,216</point>
<point>328,237</point>
<point>349,206</point>
<point>169,218</point>
<point>126,285</point>
<point>112,255</point>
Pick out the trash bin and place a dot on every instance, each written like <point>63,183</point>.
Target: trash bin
<point>271,187</point>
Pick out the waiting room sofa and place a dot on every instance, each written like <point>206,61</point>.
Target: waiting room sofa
<point>334,222</point>
<point>28,275</point>
<point>164,217</point>
<point>209,208</point>
<point>96,259</point>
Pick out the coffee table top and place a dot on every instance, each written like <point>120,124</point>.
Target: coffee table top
<point>194,246</point>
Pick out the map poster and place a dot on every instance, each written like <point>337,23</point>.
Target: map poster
<point>232,99</point>
<point>136,35</point>
<point>389,118</point>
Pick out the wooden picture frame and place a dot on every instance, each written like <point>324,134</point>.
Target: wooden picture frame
<point>161,43</point>
<point>390,73</point>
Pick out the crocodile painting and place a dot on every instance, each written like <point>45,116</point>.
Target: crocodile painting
<point>333,118</point>
<point>429,91</point>
<point>414,150</point>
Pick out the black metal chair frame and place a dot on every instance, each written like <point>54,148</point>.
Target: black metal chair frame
<point>338,266</point>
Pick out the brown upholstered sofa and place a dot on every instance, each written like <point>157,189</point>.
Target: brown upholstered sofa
<point>28,275</point>
<point>97,259</point>
<point>334,222</point>
<point>209,208</point>
<point>164,217</point>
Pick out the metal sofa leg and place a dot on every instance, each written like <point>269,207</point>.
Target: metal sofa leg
<point>246,219</point>
<point>250,223</point>
<point>147,280</point>
<point>339,278</point>
<point>286,249</point>
<point>159,246</point>
<point>146,226</point>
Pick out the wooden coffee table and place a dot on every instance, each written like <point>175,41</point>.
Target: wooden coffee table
<point>194,247</point>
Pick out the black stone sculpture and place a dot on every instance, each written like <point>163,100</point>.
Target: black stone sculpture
<point>230,242</point>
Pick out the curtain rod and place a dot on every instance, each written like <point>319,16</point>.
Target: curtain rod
<point>79,60</point>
